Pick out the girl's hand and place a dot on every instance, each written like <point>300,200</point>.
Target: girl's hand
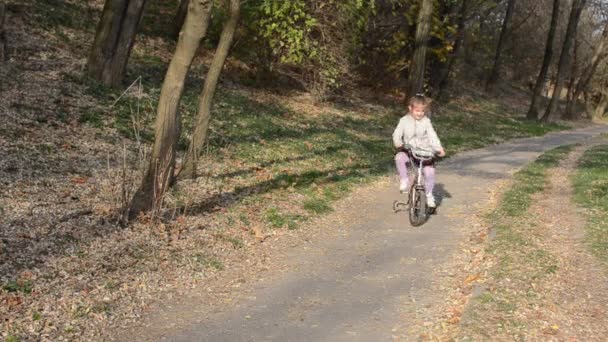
<point>441,153</point>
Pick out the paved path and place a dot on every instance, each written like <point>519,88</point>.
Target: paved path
<point>360,286</point>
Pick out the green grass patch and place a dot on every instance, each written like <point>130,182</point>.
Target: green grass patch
<point>236,243</point>
<point>20,286</point>
<point>530,180</point>
<point>519,260</point>
<point>465,125</point>
<point>208,261</point>
<point>591,191</point>
<point>277,219</point>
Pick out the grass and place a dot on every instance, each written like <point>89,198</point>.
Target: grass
<point>268,148</point>
<point>24,287</point>
<point>591,191</point>
<point>209,261</point>
<point>520,260</point>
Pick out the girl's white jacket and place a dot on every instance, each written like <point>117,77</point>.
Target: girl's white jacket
<point>418,133</point>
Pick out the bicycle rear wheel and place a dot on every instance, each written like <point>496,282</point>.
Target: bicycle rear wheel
<point>418,207</point>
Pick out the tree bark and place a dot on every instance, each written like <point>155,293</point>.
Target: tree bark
<point>180,16</point>
<point>445,78</point>
<point>205,100</point>
<point>564,60</point>
<point>2,32</point>
<point>149,196</point>
<point>599,54</point>
<point>416,73</point>
<point>114,40</point>
<point>495,73</point>
<point>542,75</point>
<point>602,106</point>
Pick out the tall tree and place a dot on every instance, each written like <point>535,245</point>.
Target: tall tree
<point>542,75</point>
<point>564,60</point>
<point>495,72</point>
<point>114,40</point>
<point>599,54</point>
<point>204,108</point>
<point>156,180</point>
<point>417,66</point>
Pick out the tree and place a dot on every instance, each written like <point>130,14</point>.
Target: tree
<point>564,60</point>
<point>602,106</point>
<point>114,40</point>
<point>542,75</point>
<point>599,54</point>
<point>417,68</point>
<point>204,110</point>
<point>495,73</point>
<point>156,180</point>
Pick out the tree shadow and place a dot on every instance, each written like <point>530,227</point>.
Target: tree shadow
<point>284,181</point>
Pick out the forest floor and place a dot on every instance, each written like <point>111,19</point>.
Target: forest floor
<point>72,152</point>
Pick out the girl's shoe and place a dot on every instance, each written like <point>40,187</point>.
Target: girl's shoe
<point>430,201</point>
<point>403,186</point>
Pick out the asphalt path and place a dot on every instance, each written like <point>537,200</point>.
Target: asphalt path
<point>360,285</point>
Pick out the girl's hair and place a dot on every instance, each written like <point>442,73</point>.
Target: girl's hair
<point>419,99</point>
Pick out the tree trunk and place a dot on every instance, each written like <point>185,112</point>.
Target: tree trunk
<point>150,194</point>
<point>495,73</point>
<point>564,59</point>
<point>417,68</point>
<point>445,77</point>
<point>114,40</point>
<point>180,16</point>
<point>600,52</point>
<point>2,32</point>
<point>542,75</point>
<point>204,109</point>
<point>602,106</point>
<point>572,79</point>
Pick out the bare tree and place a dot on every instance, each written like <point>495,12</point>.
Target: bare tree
<point>204,110</point>
<point>156,180</point>
<point>564,60</point>
<point>417,68</point>
<point>495,73</point>
<point>542,75</point>
<point>114,40</point>
<point>599,54</point>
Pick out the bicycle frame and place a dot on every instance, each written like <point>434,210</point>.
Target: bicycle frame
<point>416,201</point>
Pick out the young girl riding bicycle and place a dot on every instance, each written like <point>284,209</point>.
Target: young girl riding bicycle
<point>415,129</point>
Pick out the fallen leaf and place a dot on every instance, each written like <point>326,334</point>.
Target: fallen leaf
<point>471,279</point>
<point>79,180</point>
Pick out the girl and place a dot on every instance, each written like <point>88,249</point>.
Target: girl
<point>415,129</point>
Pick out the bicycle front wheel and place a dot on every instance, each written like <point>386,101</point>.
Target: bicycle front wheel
<point>418,207</point>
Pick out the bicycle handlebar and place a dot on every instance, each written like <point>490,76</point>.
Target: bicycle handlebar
<point>421,153</point>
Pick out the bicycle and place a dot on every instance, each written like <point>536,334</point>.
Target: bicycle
<point>417,208</point>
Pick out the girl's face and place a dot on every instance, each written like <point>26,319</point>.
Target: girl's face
<point>417,110</point>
